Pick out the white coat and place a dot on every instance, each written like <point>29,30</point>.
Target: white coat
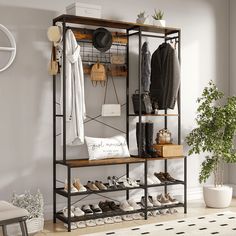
<point>75,101</point>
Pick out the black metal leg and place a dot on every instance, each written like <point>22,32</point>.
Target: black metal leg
<point>4,230</point>
<point>69,198</point>
<point>165,169</point>
<point>127,175</point>
<point>185,185</point>
<point>145,189</point>
<point>23,227</point>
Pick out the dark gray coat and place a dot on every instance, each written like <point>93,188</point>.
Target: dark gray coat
<point>165,76</point>
<point>146,67</point>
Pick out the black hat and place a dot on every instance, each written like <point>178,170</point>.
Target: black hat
<point>102,39</point>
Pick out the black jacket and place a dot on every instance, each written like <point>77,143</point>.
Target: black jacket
<point>165,76</point>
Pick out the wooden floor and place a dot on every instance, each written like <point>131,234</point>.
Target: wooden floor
<point>195,208</point>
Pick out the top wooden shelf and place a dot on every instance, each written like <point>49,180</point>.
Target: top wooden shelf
<point>111,161</point>
<point>115,24</point>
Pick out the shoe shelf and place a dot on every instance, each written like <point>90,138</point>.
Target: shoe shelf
<point>111,161</point>
<point>61,217</point>
<point>62,192</point>
<point>166,206</point>
<point>164,158</point>
<point>154,115</point>
<point>166,183</point>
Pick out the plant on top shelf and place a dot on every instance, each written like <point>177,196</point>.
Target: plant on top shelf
<point>141,17</point>
<point>214,134</point>
<point>158,18</point>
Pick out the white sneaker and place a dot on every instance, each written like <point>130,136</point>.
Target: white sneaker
<point>132,183</point>
<point>149,204</point>
<point>137,216</point>
<point>149,181</point>
<point>154,201</point>
<point>90,223</point>
<point>78,212</point>
<point>65,212</point>
<point>100,221</point>
<point>124,205</point>
<point>126,184</point>
<point>117,219</point>
<point>81,224</point>
<point>109,220</point>
<point>127,217</point>
<point>133,204</point>
<point>73,226</point>
<point>73,189</point>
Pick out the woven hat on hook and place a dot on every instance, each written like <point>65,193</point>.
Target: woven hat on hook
<point>102,39</point>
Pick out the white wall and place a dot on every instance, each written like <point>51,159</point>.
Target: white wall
<point>26,89</point>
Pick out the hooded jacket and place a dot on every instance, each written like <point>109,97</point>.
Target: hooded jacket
<point>165,76</point>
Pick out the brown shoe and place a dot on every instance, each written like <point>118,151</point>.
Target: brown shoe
<point>169,177</point>
<point>172,200</point>
<point>160,176</point>
<point>92,186</point>
<point>100,185</point>
<point>163,200</point>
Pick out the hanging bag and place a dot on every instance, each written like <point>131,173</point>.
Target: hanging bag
<point>146,104</point>
<point>53,64</point>
<point>98,74</point>
<point>111,109</point>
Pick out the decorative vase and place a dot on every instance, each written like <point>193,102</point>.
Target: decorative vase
<point>161,23</point>
<point>217,197</point>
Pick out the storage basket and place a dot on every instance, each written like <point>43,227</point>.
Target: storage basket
<point>35,225</point>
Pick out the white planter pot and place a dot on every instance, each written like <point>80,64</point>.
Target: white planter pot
<point>217,197</point>
<point>161,23</point>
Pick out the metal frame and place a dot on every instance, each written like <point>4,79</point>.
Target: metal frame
<point>137,30</point>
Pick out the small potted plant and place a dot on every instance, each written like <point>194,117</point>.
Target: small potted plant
<point>214,135</point>
<point>158,18</point>
<point>141,17</point>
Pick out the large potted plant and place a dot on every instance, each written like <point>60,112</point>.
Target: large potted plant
<point>158,18</point>
<point>214,136</point>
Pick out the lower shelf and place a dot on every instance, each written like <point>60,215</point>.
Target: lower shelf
<point>61,217</point>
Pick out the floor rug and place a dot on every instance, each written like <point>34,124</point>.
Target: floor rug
<point>223,224</point>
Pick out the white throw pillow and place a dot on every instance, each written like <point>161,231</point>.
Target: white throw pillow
<point>102,148</point>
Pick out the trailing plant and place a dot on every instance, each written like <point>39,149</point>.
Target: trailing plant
<point>214,134</point>
<point>33,203</point>
<point>158,15</point>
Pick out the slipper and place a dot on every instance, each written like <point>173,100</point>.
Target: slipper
<point>90,223</point>
<point>87,210</point>
<point>65,212</point>
<point>117,219</point>
<point>81,224</point>
<point>137,216</point>
<point>78,212</point>
<point>127,217</point>
<point>109,220</point>
<point>100,221</point>
<point>72,226</point>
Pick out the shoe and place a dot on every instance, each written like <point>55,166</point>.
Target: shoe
<point>125,206</point>
<point>155,213</point>
<point>113,206</point>
<point>81,224</point>
<point>132,183</point>
<point>90,223</point>
<point>154,201</point>
<point>125,184</point>
<point>91,185</point>
<point>127,217</point>
<point>65,212</point>
<point>137,216</point>
<point>72,188</point>
<point>154,179</point>
<point>99,221</point>
<point>110,182</point>
<point>87,210</point>
<point>171,199</point>
<point>109,220</point>
<point>169,177</point>
<point>133,204</point>
<point>164,211</point>
<point>78,212</point>
<point>160,176</point>
<point>104,206</point>
<point>163,200</point>
<point>80,187</point>
<point>173,210</point>
<point>100,185</point>
<point>149,204</point>
<point>115,181</point>
<point>96,209</point>
<point>117,219</point>
<point>73,226</point>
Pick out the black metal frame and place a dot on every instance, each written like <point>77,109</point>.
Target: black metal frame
<point>57,215</point>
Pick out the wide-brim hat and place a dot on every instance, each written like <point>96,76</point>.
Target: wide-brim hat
<point>102,39</point>
<point>54,34</point>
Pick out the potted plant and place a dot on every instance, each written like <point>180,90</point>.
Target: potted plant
<point>158,18</point>
<point>141,17</point>
<point>214,135</point>
<point>33,203</point>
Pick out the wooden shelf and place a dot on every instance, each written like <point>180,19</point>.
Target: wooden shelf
<point>164,158</point>
<point>111,161</point>
<point>154,115</point>
<point>115,24</point>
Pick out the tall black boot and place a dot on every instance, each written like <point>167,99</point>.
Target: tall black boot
<point>149,140</point>
<point>143,140</point>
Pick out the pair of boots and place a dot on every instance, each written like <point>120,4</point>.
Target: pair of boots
<point>146,146</point>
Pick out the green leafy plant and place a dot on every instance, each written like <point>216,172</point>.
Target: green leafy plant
<point>141,14</point>
<point>158,15</point>
<point>214,134</point>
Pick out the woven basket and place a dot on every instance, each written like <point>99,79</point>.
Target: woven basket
<point>35,225</point>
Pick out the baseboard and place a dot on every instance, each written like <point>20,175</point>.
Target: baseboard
<point>193,194</point>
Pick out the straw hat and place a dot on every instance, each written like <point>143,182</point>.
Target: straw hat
<point>54,34</point>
